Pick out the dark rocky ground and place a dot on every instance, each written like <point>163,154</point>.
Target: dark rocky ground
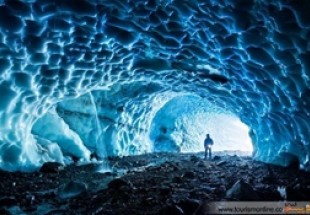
<point>149,184</point>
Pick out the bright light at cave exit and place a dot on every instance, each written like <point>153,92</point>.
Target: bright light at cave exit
<point>183,122</point>
<point>228,133</point>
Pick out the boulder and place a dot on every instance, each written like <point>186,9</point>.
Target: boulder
<point>14,210</point>
<point>242,191</point>
<point>221,163</point>
<point>189,206</point>
<point>172,209</point>
<point>117,183</point>
<point>52,167</point>
<point>71,189</point>
<point>194,159</point>
<point>216,158</point>
<point>8,201</point>
<point>189,174</point>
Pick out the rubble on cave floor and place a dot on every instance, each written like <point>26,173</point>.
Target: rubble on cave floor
<point>160,183</point>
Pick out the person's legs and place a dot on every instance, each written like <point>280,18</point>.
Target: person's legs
<point>210,153</point>
<point>206,153</point>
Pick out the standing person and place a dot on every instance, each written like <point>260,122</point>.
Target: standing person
<point>207,144</point>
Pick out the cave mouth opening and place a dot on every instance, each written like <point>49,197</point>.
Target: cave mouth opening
<point>118,122</point>
<point>183,122</point>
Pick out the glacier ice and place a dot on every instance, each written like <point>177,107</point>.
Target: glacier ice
<point>250,58</point>
<point>52,128</point>
<point>109,121</point>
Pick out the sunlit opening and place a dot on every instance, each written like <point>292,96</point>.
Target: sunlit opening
<point>227,131</point>
<point>182,124</point>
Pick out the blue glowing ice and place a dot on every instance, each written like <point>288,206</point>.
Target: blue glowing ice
<point>249,58</point>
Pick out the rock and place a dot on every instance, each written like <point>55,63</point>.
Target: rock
<point>45,208</point>
<point>243,164</point>
<point>268,180</point>
<point>222,175</point>
<point>177,180</point>
<point>3,211</point>
<point>216,158</point>
<point>189,206</point>
<point>30,199</point>
<point>52,167</point>
<point>200,164</point>
<point>221,163</point>
<point>173,209</point>
<point>117,183</point>
<point>194,158</point>
<point>203,164</point>
<point>8,201</point>
<point>222,188</point>
<point>270,194</point>
<point>204,209</point>
<point>236,158</point>
<point>294,194</point>
<point>297,186</point>
<point>207,188</point>
<point>165,191</point>
<point>14,210</point>
<point>71,189</point>
<point>189,174</point>
<point>242,191</point>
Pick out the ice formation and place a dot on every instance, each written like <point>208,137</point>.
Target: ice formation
<point>60,57</point>
<point>53,128</point>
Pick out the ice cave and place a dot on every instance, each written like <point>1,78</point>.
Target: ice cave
<point>86,80</point>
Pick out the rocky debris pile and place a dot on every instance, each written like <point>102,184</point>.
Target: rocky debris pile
<point>152,184</point>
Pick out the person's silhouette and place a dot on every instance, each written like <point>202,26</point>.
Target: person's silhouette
<point>207,144</point>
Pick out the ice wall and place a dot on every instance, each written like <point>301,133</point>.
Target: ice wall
<point>52,128</point>
<point>250,57</point>
<point>115,121</point>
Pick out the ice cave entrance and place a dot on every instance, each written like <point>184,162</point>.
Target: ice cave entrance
<point>183,122</point>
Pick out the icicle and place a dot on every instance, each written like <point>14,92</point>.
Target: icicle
<point>100,145</point>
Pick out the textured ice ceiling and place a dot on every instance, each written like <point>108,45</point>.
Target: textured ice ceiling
<point>251,58</point>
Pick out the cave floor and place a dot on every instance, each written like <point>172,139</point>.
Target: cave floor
<point>160,183</point>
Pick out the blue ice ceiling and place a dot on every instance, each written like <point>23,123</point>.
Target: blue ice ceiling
<point>129,58</point>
